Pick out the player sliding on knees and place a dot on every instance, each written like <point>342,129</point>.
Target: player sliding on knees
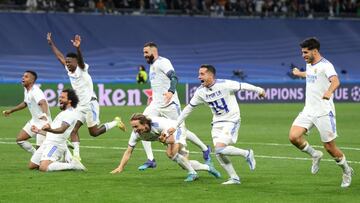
<point>157,129</point>
<point>54,148</point>
<point>81,82</point>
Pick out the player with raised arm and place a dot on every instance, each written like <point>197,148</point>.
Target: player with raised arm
<point>157,129</point>
<point>48,156</point>
<point>219,95</point>
<point>165,101</point>
<point>81,82</point>
<point>319,110</point>
<point>37,104</point>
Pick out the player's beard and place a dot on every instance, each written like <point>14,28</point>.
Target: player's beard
<point>63,106</point>
<point>150,59</point>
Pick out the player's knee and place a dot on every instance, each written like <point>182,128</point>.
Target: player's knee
<point>43,168</point>
<point>219,150</point>
<point>32,166</point>
<point>293,137</point>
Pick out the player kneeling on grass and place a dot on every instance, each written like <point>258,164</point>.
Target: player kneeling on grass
<point>54,148</point>
<point>157,129</point>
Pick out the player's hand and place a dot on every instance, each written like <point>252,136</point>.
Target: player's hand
<point>6,113</point>
<point>46,127</point>
<point>117,170</point>
<point>76,41</point>
<point>262,94</point>
<point>167,97</point>
<point>327,95</point>
<point>296,71</point>
<point>171,131</point>
<point>162,138</point>
<point>34,129</point>
<point>43,117</point>
<point>48,37</point>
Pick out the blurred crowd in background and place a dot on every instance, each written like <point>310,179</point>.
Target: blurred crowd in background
<point>217,8</point>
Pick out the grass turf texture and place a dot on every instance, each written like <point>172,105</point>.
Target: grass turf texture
<point>264,128</point>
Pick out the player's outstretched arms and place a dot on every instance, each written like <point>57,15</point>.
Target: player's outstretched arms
<point>20,106</point>
<point>55,50</point>
<point>124,160</point>
<point>64,126</point>
<point>76,43</point>
<point>262,93</point>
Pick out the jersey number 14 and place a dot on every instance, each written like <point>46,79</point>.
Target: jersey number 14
<point>219,106</point>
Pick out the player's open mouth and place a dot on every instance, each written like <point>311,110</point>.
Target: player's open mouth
<point>202,81</point>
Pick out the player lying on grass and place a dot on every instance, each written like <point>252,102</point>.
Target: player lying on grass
<point>48,156</point>
<point>156,129</point>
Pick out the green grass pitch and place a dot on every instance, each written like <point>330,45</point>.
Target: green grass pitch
<point>282,173</point>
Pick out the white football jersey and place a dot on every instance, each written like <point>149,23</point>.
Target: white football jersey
<point>82,83</point>
<point>221,99</point>
<point>68,116</point>
<point>158,125</point>
<point>32,99</point>
<point>317,83</point>
<point>159,81</point>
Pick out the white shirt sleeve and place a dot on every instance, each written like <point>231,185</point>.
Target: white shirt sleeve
<point>38,95</point>
<point>247,86</point>
<point>166,66</point>
<point>69,118</point>
<point>134,138</point>
<point>196,99</point>
<point>185,113</point>
<point>233,85</point>
<point>330,71</point>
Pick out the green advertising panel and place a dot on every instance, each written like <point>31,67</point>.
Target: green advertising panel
<point>108,94</point>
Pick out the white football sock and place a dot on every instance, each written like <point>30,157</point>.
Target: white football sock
<point>309,150</point>
<point>110,125</point>
<point>76,150</point>
<point>148,150</point>
<point>197,166</point>
<point>194,139</point>
<point>59,166</point>
<point>227,165</point>
<point>343,164</point>
<point>184,163</point>
<point>233,151</point>
<point>27,146</point>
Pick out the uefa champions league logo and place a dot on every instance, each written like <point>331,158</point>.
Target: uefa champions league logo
<point>355,93</point>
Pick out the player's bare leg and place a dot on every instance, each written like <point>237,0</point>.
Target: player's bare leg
<point>296,137</point>
<point>22,141</point>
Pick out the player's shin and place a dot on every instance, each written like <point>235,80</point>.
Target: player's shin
<point>27,146</point>
<point>184,163</point>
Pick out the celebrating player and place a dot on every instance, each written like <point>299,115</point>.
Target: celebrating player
<point>219,95</point>
<point>47,157</point>
<point>82,83</point>
<point>37,104</point>
<point>157,129</point>
<point>319,110</point>
<point>165,101</point>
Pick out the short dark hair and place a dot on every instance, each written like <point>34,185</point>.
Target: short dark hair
<point>72,55</point>
<point>72,96</point>
<point>310,43</point>
<point>141,118</point>
<point>142,67</point>
<point>150,44</point>
<point>209,67</point>
<point>33,73</point>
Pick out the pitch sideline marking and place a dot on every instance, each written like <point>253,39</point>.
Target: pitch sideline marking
<point>159,150</point>
<point>250,143</point>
